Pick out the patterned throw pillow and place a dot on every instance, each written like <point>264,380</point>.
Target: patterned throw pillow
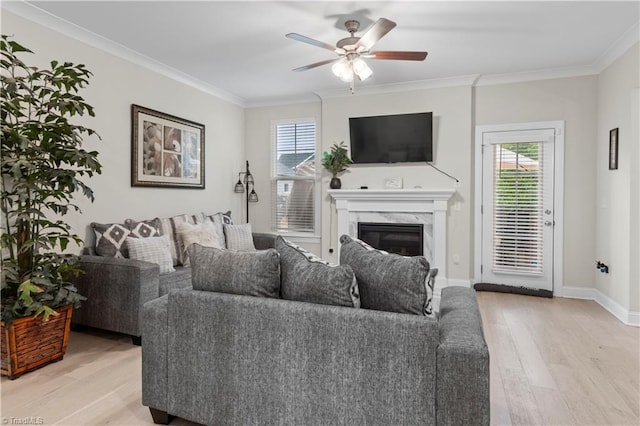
<point>111,239</point>
<point>224,216</point>
<point>239,237</point>
<point>144,228</point>
<point>152,249</point>
<point>389,282</point>
<point>206,234</point>
<point>251,273</point>
<point>169,227</point>
<point>307,278</point>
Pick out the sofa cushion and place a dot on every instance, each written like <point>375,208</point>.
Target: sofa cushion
<point>239,237</point>
<point>152,249</point>
<point>180,278</point>
<point>206,234</point>
<point>388,282</point>
<point>169,226</point>
<point>251,273</point>
<point>307,278</point>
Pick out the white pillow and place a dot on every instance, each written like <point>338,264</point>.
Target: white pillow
<point>207,234</point>
<point>152,249</point>
<point>239,237</point>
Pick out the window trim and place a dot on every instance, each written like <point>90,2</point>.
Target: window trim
<point>299,235</point>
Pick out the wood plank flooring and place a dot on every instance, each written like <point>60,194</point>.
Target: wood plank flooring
<point>553,361</point>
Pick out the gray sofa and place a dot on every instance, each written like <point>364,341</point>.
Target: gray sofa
<point>117,288</point>
<point>227,359</point>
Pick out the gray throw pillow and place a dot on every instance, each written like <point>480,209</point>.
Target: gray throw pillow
<point>252,273</point>
<point>307,278</point>
<point>388,282</point>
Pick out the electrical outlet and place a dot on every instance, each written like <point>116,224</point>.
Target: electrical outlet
<point>456,259</point>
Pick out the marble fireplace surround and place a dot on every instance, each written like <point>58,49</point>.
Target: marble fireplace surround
<point>428,207</point>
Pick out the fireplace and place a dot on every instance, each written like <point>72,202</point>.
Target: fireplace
<point>400,238</point>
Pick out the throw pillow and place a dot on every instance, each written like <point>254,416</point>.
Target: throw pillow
<point>111,239</point>
<point>169,227</point>
<point>239,237</point>
<point>144,228</point>
<point>307,278</point>
<point>219,219</point>
<point>388,282</point>
<point>206,234</point>
<point>251,273</point>
<point>224,216</point>
<point>152,249</point>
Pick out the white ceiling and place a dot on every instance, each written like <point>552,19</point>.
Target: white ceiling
<point>240,47</point>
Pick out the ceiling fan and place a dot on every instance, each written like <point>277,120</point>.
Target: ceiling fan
<point>351,51</point>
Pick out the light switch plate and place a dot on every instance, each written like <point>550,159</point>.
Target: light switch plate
<point>393,183</point>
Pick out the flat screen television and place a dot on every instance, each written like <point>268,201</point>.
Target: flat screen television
<point>401,138</point>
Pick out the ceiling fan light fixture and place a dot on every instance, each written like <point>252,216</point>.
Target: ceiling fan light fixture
<point>342,69</point>
<point>361,69</point>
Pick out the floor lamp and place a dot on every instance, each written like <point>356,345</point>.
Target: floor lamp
<point>245,184</point>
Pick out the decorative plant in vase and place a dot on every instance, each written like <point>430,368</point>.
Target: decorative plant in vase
<point>336,162</point>
<point>42,163</point>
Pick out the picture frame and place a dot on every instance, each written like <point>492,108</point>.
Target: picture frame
<point>613,149</point>
<point>166,151</point>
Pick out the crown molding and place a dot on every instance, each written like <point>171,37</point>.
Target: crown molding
<point>618,47</point>
<point>35,14</point>
<point>269,102</point>
<point>465,80</point>
<point>547,74</point>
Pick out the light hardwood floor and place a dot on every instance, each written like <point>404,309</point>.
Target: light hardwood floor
<point>553,361</point>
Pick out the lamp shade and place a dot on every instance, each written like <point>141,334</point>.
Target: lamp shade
<point>253,196</point>
<point>239,188</point>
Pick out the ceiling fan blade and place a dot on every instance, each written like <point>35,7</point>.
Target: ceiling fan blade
<point>375,33</point>
<point>398,55</point>
<point>317,64</point>
<point>305,39</point>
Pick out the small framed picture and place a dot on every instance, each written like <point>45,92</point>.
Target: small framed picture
<point>613,149</point>
<point>166,151</point>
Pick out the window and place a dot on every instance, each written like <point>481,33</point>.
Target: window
<point>293,171</point>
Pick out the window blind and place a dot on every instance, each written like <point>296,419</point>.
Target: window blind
<point>517,214</point>
<point>294,177</point>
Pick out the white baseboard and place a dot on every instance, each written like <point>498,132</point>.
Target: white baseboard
<point>617,310</point>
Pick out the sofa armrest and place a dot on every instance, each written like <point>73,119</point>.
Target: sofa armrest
<point>462,361</point>
<point>154,353</point>
<point>264,241</point>
<point>115,289</point>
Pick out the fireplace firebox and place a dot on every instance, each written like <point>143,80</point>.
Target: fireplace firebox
<point>401,238</point>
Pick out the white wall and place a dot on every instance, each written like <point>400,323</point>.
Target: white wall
<point>618,191</point>
<point>115,85</point>
<point>573,100</point>
<point>451,107</point>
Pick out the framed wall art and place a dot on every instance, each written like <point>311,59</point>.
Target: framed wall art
<point>613,149</point>
<point>166,151</point>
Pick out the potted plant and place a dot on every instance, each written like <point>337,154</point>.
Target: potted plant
<point>42,163</point>
<point>336,162</point>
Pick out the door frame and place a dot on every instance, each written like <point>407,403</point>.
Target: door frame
<point>558,194</point>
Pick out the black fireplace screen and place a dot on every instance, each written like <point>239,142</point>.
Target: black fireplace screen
<point>400,238</point>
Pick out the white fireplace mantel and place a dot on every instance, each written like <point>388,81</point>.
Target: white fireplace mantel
<point>420,201</point>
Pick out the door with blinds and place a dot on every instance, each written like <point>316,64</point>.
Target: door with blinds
<point>518,208</point>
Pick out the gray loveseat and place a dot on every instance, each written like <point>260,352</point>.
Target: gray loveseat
<point>117,288</point>
<point>227,359</point>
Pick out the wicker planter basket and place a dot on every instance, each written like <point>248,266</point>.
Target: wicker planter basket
<point>29,343</point>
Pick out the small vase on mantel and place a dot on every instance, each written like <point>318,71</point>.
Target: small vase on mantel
<point>335,183</point>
